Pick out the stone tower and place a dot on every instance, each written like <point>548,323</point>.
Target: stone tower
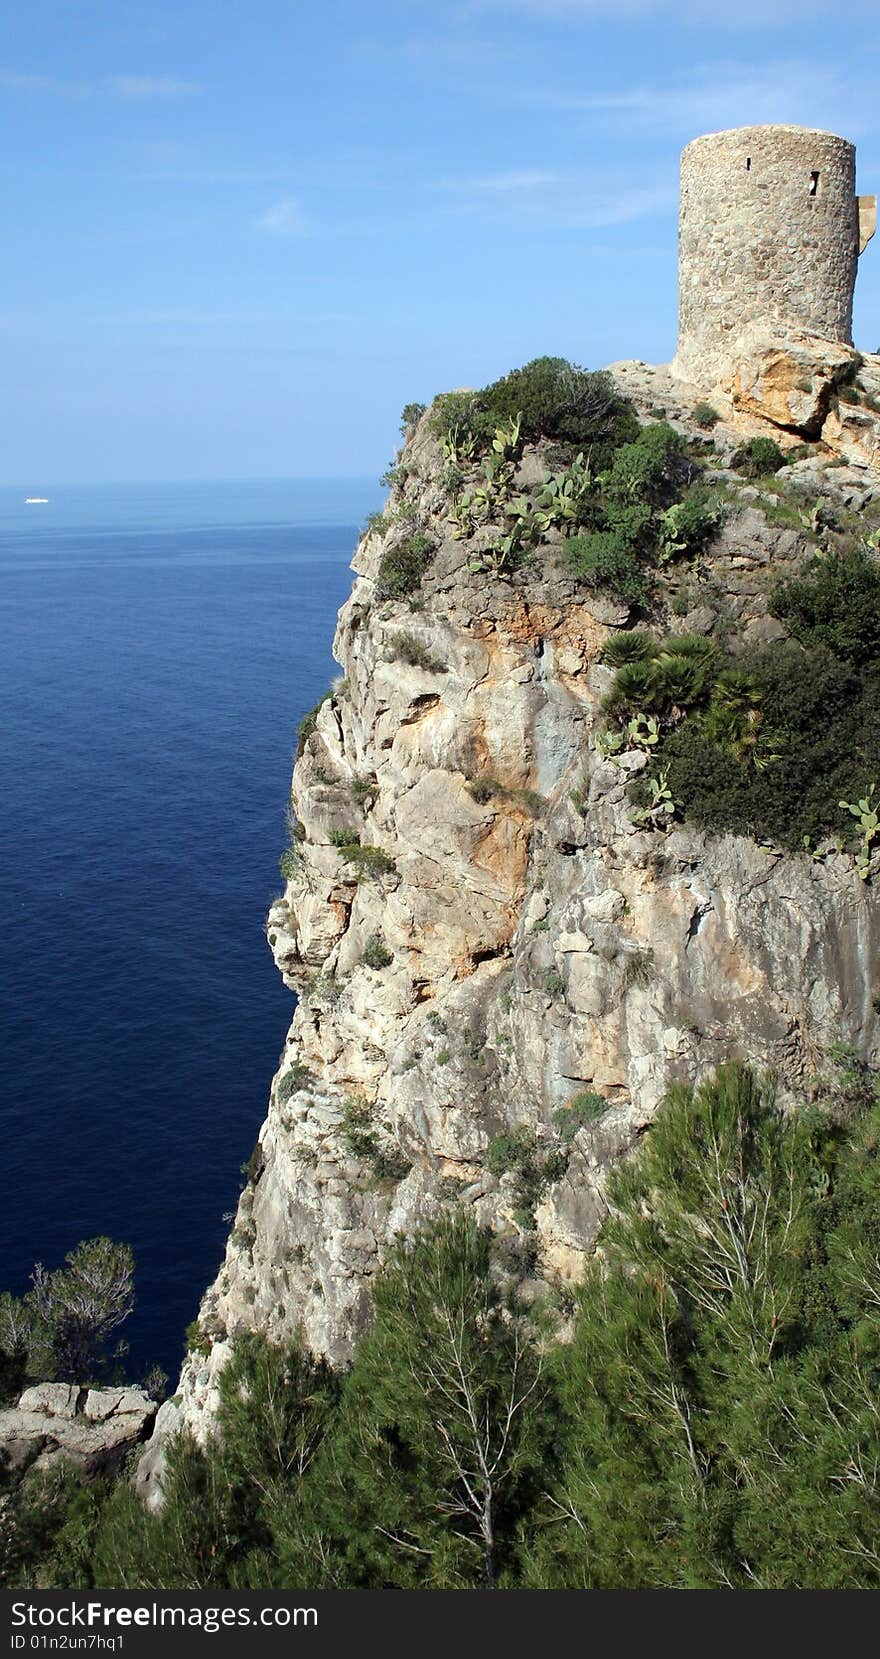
<point>770,231</point>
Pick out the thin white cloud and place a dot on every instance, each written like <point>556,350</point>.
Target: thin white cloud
<point>463,51</point>
<point>699,13</point>
<point>17,82</point>
<point>141,88</point>
<point>503,184</point>
<point>193,317</point>
<point>725,94</point>
<point>286,218</point>
<point>534,200</point>
<point>144,87</point>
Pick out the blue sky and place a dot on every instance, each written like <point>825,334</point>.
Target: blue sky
<point>240,236</point>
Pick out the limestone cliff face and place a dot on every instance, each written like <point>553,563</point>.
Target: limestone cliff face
<point>539,944</point>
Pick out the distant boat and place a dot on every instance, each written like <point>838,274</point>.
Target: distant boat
<point>36,501</point>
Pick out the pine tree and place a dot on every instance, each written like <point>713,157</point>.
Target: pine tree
<point>443,1429</point>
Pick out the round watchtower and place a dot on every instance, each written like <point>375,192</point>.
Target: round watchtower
<point>769,231</point>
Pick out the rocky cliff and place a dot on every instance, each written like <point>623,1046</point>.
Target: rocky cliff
<point>478,930</point>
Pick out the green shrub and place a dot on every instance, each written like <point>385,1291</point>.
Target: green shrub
<point>197,1341</point>
<point>296,1078</point>
<point>290,862</point>
<point>585,1108</point>
<point>256,1163</point>
<point>368,861</point>
<point>308,723</point>
<point>410,416</point>
<point>483,789</point>
<point>556,399</point>
<point>651,469</point>
<point>324,987</point>
<point>820,722</point>
<point>521,1152</point>
<point>402,566</point>
<point>704,415</point>
<point>363,788</point>
<point>408,648</point>
<point>690,523</point>
<point>508,1150</point>
<point>603,559</point>
<point>835,604</point>
<point>677,675</point>
<point>758,458</point>
<point>361,1137</point>
<point>343,838</point>
<point>634,645</point>
<point>376,953</point>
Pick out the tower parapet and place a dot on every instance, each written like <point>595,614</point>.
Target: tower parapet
<point>770,232</point>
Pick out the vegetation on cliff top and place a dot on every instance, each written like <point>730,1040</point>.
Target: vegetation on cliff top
<point>712,1422</point>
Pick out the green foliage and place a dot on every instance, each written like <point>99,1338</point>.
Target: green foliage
<point>604,560</point>
<point>717,1409</point>
<point>290,862</point>
<point>309,722</point>
<point>298,1077</point>
<point>534,1165</point>
<point>688,524</point>
<point>61,1329</point>
<point>704,415</point>
<point>659,807</point>
<point>197,1341</point>
<point>836,604</point>
<point>812,724</point>
<point>584,1110</point>
<point>488,789</point>
<point>376,953</point>
<point>567,498</point>
<point>360,1134</point>
<point>712,1423</point>
<point>222,1504</point>
<point>650,470</point>
<point>551,398</point>
<point>48,1527</point>
<point>641,515</point>
<point>369,862</point>
<point>407,647</point>
<point>324,987</point>
<point>411,414</point>
<point>866,812</point>
<point>343,838</point>
<point>444,1432</point>
<point>758,458</point>
<point>403,565</point>
<point>363,789</point>
<point>663,677</point>
<point>632,645</point>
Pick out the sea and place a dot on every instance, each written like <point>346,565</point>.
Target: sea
<point>158,646</point>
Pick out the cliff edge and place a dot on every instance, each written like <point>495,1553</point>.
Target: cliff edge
<point>503,953</point>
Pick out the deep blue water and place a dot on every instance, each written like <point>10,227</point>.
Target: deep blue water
<point>158,645</point>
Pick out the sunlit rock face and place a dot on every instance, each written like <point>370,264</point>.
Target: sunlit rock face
<point>478,931</point>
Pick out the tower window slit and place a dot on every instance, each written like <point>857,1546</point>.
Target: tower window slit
<point>748,164</point>
<point>814,184</point>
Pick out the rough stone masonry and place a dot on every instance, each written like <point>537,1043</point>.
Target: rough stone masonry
<point>770,233</point>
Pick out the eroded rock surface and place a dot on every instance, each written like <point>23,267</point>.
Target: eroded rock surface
<point>540,942</point>
<point>94,1428</point>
